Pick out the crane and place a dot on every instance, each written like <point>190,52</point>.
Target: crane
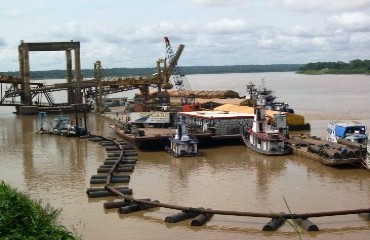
<point>181,83</point>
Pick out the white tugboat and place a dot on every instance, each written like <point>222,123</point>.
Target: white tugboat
<point>182,144</point>
<point>253,93</point>
<point>264,139</point>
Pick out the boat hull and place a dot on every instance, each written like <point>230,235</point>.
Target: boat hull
<point>287,149</point>
<point>158,141</point>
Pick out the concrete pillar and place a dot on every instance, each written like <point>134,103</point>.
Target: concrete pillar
<point>69,75</point>
<point>99,90</point>
<point>78,76</point>
<point>20,59</point>
<point>25,75</point>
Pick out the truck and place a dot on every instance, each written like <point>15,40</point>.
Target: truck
<point>156,119</point>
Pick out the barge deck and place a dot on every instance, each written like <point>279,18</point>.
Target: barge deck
<point>159,138</point>
<point>325,152</point>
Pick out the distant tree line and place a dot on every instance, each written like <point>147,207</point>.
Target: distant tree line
<point>356,66</point>
<point>188,70</point>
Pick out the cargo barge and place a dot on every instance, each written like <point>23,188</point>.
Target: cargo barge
<point>325,152</point>
<point>159,138</point>
<point>211,128</point>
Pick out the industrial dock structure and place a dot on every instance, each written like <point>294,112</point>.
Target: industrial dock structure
<point>81,91</point>
<point>221,123</point>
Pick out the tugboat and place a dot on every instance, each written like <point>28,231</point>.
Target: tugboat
<point>65,127</point>
<point>61,125</point>
<point>182,144</point>
<point>252,93</point>
<point>264,139</point>
<point>351,131</point>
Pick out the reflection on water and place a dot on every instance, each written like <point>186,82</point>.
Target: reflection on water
<point>57,170</point>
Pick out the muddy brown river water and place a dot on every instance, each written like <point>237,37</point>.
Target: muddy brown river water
<point>57,171</point>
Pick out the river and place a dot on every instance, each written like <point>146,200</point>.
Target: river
<point>57,170</point>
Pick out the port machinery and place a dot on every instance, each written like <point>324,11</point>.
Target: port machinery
<point>15,83</point>
<point>181,83</point>
<point>95,88</point>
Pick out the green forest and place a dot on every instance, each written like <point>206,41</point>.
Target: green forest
<point>356,66</point>
<point>187,70</point>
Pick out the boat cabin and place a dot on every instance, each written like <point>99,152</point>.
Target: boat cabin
<point>182,144</point>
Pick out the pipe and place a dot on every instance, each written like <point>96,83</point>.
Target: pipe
<point>201,219</point>
<point>107,143</point>
<point>365,216</point>
<point>246,214</point>
<point>107,170</point>
<point>307,224</point>
<point>118,204</point>
<point>105,193</point>
<point>112,162</point>
<point>121,165</point>
<point>135,207</point>
<point>351,144</point>
<point>112,148</point>
<point>274,223</point>
<point>314,149</point>
<point>103,189</point>
<point>113,180</point>
<point>106,176</point>
<point>114,159</point>
<point>180,216</point>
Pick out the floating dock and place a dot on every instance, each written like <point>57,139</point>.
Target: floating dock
<point>116,170</point>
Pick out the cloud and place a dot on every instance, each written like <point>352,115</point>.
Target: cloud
<point>304,32</point>
<point>226,26</point>
<point>12,13</point>
<point>352,22</point>
<point>220,3</point>
<point>360,39</point>
<point>69,31</point>
<point>2,42</point>
<point>326,5</point>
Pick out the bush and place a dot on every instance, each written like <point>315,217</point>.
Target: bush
<point>23,218</point>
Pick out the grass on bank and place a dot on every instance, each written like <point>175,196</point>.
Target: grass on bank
<point>23,218</point>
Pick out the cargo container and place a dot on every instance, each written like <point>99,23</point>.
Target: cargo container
<point>156,119</point>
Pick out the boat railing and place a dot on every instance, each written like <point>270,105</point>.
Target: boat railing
<point>268,137</point>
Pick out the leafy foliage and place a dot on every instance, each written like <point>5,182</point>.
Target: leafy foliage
<point>355,66</point>
<point>188,70</point>
<point>23,218</point>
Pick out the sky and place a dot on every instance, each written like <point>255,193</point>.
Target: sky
<point>122,33</point>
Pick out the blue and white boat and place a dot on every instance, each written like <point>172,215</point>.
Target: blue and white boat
<point>65,127</point>
<point>61,125</point>
<point>350,130</point>
<point>182,144</point>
